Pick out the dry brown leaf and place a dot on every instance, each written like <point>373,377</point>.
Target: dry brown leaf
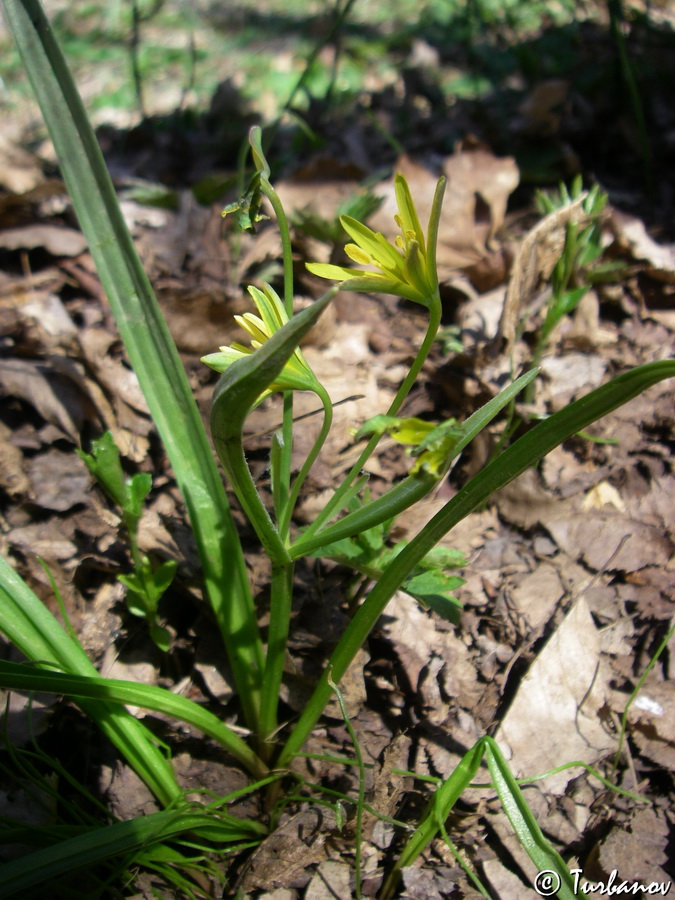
<point>652,720</point>
<point>639,852</point>
<point>58,480</point>
<point>56,398</point>
<point>20,170</point>
<point>538,253</point>
<point>574,372</point>
<point>331,881</point>
<point>283,858</point>
<point>45,539</point>
<point>426,883</point>
<point>121,382</point>
<point>57,240</point>
<point>537,596</point>
<point>13,477</point>
<point>554,716</point>
<point>541,111</point>
<point>632,235</point>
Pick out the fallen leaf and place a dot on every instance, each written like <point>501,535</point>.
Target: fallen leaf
<point>537,255</point>
<point>57,240</point>
<point>554,718</point>
<point>331,881</point>
<point>58,480</point>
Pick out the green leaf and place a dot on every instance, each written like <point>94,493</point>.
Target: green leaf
<point>434,588</point>
<point>140,486</point>
<point>161,637</point>
<point>29,625</point>
<point>114,693</point>
<point>148,342</point>
<point>120,839</point>
<point>104,464</point>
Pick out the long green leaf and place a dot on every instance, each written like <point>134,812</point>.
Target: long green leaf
<point>528,832</point>
<point>524,453</point>
<point>18,676</point>
<point>29,625</point>
<point>151,349</point>
<point>116,840</point>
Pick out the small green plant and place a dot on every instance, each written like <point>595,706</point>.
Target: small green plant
<point>146,584</point>
<point>273,362</point>
<point>578,267</point>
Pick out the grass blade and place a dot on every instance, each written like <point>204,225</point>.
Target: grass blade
<point>36,633</point>
<point>18,676</point>
<point>115,840</point>
<point>150,347</point>
<point>524,453</point>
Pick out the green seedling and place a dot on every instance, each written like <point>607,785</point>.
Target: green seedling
<point>146,584</point>
<point>578,267</point>
<point>272,362</point>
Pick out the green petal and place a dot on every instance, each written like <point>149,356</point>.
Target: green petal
<point>385,284</point>
<point>254,326</point>
<point>409,218</point>
<point>325,270</point>
<point>374,243</point>
<point>224,358</point>
<point>416,267</point>
<point>410,430</point>
<point>270,307</point>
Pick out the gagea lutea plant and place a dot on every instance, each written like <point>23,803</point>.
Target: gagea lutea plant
<point>262,744</point>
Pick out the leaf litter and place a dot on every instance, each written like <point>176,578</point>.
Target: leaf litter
<point>569,576</point>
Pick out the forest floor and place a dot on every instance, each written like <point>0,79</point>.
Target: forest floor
<point>568,584</point>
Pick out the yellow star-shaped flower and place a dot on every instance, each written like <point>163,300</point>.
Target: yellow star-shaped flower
<point>408,268</point>
<point>296,375</point>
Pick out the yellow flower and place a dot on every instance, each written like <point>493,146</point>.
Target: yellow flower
<point>296,375</point>
<point>407,269</point>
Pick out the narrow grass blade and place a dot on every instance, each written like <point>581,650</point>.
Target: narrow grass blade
<point>437,811</point>
<point>115,840</point>
<point>528,832</point>
<point>38,635</point>
<point>18,676</point>
<point>524,453</point>
<point>150,347</point>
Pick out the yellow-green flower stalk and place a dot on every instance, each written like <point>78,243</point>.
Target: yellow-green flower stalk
<point>296,375</point>
<point>406,268</point>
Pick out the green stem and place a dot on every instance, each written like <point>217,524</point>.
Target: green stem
<point>231,455</point>
<point>281,598</point>
<point>285,522</point>
<point>282,477</point>
<point>335,504</point>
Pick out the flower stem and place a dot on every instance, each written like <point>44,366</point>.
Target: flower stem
<point>281,598</point>
<point>285,521</point>
<point>282,477</point>
<point>334,505</point>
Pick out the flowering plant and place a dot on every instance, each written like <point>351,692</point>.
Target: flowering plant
<point>406,269</point>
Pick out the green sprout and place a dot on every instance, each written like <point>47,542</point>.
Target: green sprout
<point>147,583</point>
